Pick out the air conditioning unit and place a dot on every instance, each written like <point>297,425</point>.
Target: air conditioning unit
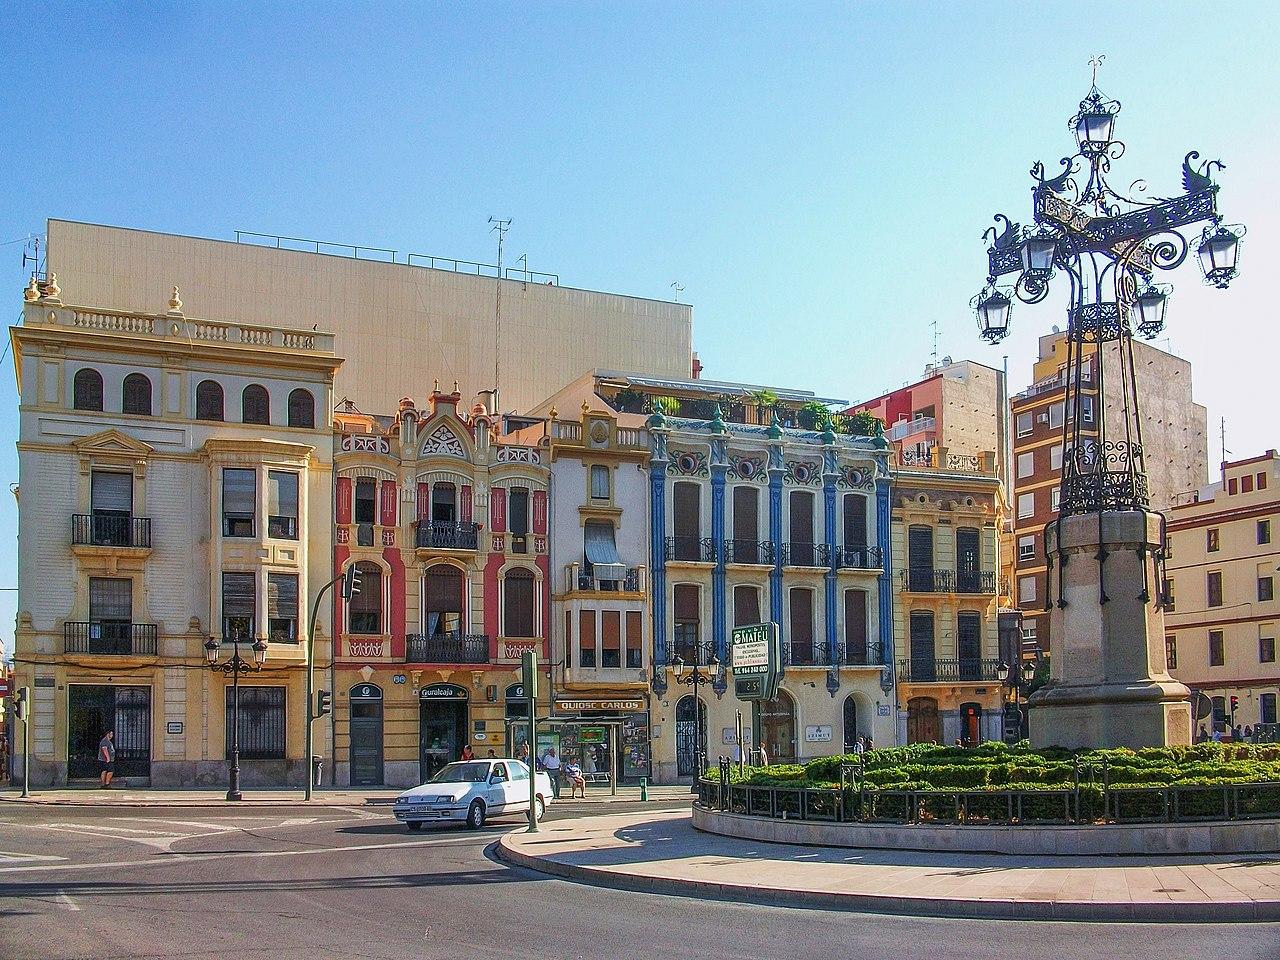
<point>609,571</point>
<point>1042,418</point>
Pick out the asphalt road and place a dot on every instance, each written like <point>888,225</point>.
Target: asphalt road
<point>347,883</point>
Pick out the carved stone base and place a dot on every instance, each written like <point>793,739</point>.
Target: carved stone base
<point>1109,686</point>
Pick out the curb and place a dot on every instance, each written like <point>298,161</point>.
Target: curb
<point>1072,910</point>
<point>318,804</point>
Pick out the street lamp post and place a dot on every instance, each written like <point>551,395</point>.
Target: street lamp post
<point>1015,681</point>
<point>1108,245</point>
<point>233,668</point>
<point>698,677</point>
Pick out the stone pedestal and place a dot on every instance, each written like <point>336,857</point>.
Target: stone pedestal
<point>1109,686</point>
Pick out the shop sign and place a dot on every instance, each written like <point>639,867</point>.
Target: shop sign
<point>366,691</point>
<point>756,659</point>
<point>442,691</point>
<point>173,727</point>
<point>817,734</point>
<point>620,706</point>
<point>592,735</point>
<point>729,735</point>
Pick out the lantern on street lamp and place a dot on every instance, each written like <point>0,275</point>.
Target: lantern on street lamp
<point>1094,123</point>
<point>1037,253</point>
<point>1148,308</point>
<point>1002,672</point>
<point>992,307</point>
<point>211,651</point>
<point>1219,251</point>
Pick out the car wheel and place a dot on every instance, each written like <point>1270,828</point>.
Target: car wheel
<point>414,824</point>
<point>475,815</point>
<point>540,806</point>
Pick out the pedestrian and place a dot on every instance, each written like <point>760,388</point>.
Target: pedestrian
<point>551,764</point>
<point>467,753</point>
<point>573,773</point>
<point>1237,734</point>
<point>1203,735</point>
<point>1248,733</point>
<point>870,746</point>
<point>1217,734</point>
<point>107,758</point>
<point>522,752</point>
<point>859,746</point>
<point>491,754</point>
<point>764,757</point>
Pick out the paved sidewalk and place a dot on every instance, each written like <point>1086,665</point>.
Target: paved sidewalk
<point>142,797</point>
<point>661,852</point>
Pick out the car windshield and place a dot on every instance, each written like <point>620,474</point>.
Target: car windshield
<point>477,772</point>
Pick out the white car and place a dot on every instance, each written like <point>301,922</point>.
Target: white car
<point>472,791</point>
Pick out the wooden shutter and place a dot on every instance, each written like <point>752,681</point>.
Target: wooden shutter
<point>344,500</point>
<point>464,503</point>
<point>424,501</point>
<point>539,511</point>
<point>498,509</point>
<point>389,489</point>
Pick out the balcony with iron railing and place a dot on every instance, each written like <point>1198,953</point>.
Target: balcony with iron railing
<point>910,428</point>
<point>749,551</point>
<point>964,670</point>
<point>691,549</point>
<point>446,535</point>
<point>925,580</point>
<point>602,578</point>
<point>865,557</point>
<point>797,553</point>
<point>446,648</point>
<point>120,638</point>
<point>110,530</point>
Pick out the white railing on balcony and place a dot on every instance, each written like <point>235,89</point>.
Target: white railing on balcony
<point>175,327</point>
<point>909,428</point>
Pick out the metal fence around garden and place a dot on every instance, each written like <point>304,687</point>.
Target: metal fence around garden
<point>1088,799</point>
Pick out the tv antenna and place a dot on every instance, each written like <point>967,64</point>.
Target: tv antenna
<point>32,244</point>
<point>500,227</point>
<point>934,324</point>
<point>678,288</point>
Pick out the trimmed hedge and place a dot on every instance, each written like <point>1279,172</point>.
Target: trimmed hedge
<point>995,766</point>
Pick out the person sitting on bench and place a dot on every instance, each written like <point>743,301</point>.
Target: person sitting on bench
<point>573,773</point>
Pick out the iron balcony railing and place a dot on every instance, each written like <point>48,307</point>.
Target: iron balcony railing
<point>447,535</point>
<point>446,648</point>
<point>119,637</point>
<point>798,554</point>
<point>749,551</point>
<point>110,530</point>
<point>694,549</point>
<point>629,583</point>
<point>691,652</point>
<point>858,558</point>
<point>861,655</point>
<point>964,670</point>
<point>924,580</point>
<point>813,654</point>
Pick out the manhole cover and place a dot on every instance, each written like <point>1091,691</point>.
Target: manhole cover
<point>1170,890</point>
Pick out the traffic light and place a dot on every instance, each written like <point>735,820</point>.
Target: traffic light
<point>22,703</point>
<point>350,583</point>
<point>1235,702</point>
<point>324,703</point>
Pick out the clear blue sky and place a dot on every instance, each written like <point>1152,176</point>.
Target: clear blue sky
<point>817,176</point>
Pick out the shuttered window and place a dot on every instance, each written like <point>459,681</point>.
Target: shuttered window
<point>239,596</point>
<point>635,639</point>
<point>302,408</point>
<point>282,607</point>
<point>365,616</point>
<point>112,493</point>
<point>110,598</point>
<point>209,400</point>
<point>855,626</point>
<point>686,599</point>
<point>586,638</point>
<point>802,626</point>
<point>86,390</point>
<point>746,605</point>
<point>610,638</point>
<point>855,520</point>
<point>255,405</point>
<point>517,601</point>
<point>239,501</point>
<point>135,396</point>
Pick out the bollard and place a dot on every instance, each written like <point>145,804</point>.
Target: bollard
<point>644,788</point>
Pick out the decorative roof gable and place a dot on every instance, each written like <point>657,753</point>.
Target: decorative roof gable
<point>443,442</point>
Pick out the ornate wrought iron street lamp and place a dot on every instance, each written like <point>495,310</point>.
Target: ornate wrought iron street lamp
<point>697,677</point>
<point>1108,244</point>
<point>233,668</point>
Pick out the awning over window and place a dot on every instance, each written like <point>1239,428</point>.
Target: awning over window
<point>600,546</point>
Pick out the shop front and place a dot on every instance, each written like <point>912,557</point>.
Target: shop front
<point>442,726</point>
<point>607,737</point>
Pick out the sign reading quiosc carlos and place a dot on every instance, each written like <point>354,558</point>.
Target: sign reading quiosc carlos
<point>755,656</point>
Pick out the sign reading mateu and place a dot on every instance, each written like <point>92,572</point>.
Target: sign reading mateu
<point>755,655</point>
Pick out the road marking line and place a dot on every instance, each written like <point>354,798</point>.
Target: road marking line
<point>67,902</point>
<point>221,828</point>
<point>256,854</point>
<point>7,856</point>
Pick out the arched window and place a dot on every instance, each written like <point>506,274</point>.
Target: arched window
<point>778,728</point>
<point>691,735</point>
<point>302,409</point>
<point>443,590</point>
<point>209,400</point>
<point>255,405</point>
<point>517,603</point>
<point>365,615</point>
<point>850,723</point>
<point>86,389</point>
<point>136,396</point>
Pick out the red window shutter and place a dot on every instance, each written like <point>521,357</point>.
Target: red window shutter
<point>497,509</point>
<point>344,500</point>
<point>539,511</point>
<point>389,503</point>
<point>424,501</point>
<point>464,504</point>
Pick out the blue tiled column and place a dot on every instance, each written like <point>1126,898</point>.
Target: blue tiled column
<point>886,576</point>
<point>658,557</point>
<point>775,534</point>
<point>829,476</point>
<point>719,467</point>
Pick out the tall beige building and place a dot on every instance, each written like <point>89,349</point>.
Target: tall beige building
<point>399,326</point>
<point>175,487</point>
<point>1220,627</point>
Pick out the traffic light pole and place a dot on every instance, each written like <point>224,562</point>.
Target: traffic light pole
<point>311,667</point>
<point>529,671</point>
<point>26,740</point>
